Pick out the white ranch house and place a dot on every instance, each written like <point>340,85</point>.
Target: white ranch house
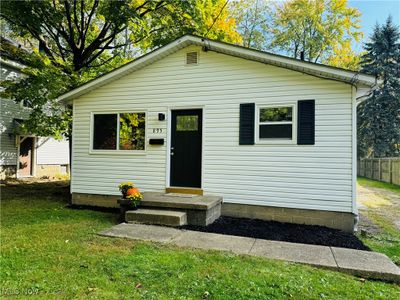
<point>274,136</point>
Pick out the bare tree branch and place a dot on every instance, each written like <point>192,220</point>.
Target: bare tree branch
<point>82,24</point>
<point>76,21</point>
<point>89,20</point>
<point>71,38</point>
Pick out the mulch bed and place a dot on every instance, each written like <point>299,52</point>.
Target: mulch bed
<point>272,230</point>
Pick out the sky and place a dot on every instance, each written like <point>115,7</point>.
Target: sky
<point>372,12</point>
<point>375,11</point>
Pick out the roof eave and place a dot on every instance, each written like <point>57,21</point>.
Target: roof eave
<point>319,70</point>
<point>354,78</point>
<point>140,62</point>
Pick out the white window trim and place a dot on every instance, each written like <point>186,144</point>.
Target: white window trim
<point>265,141</point>
<point>116,151</point>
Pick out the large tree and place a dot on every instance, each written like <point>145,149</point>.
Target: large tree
<point>253,21</point>
<point>208,18</point>
<point>76,33</point>
<point>379,116</point>
<point>314,27</point>
<point>77,40</point>
<point>343,56</point>
<point>73,41</point>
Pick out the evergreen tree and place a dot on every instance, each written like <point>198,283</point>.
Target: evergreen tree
<point>379,116</point>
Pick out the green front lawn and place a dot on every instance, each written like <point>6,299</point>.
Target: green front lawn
<point>53,252</point>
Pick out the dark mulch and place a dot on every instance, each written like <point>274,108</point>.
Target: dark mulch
<point>272,230</point>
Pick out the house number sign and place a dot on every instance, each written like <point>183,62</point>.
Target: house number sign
<point>157,130</point>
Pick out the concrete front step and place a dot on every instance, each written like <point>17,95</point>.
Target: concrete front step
<point>200,210</point>
<point>157,217</point>
<point>180,201</point>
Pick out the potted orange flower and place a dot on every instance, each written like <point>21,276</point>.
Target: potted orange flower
<point>124,187</point>
<point>131,198</point>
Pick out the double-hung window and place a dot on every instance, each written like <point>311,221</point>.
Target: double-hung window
<point>119,131</point>
<point>276,123</point>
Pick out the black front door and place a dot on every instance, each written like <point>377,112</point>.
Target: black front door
<point>186,132</point>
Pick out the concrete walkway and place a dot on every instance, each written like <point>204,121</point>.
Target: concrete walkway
<point>361,263</point>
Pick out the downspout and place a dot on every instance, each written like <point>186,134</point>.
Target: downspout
<point>362,98</point>
<point>354,151</point>
<point>70,144</point>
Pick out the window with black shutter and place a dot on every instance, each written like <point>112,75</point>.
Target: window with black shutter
<point>289,123</point>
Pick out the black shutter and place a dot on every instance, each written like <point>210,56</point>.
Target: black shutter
<point>306,122</point>
<point>246,126</point>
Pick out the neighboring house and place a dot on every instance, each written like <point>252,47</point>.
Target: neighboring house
<point>26,155</point>
<point>275,136</point>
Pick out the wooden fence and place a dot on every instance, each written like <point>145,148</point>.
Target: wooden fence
<point>381,169</point>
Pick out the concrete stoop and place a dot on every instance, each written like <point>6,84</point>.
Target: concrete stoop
<point>174,209</point>
<point>356,262</point>
<point>157,217</point>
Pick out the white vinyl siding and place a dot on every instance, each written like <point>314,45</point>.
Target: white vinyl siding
<point>311,177</point>
<point>50,151</point>
<point>9,110</point>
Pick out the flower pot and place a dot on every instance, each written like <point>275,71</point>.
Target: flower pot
<point>124,206</point>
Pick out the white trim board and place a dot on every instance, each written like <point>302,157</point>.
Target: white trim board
<point>357,79</point>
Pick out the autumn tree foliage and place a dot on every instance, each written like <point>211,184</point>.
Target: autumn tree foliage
<point>253,19</point>
<point>74,41</point>
<point>343,56</point>
<point>215,21</point>
<point>316,28</point>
